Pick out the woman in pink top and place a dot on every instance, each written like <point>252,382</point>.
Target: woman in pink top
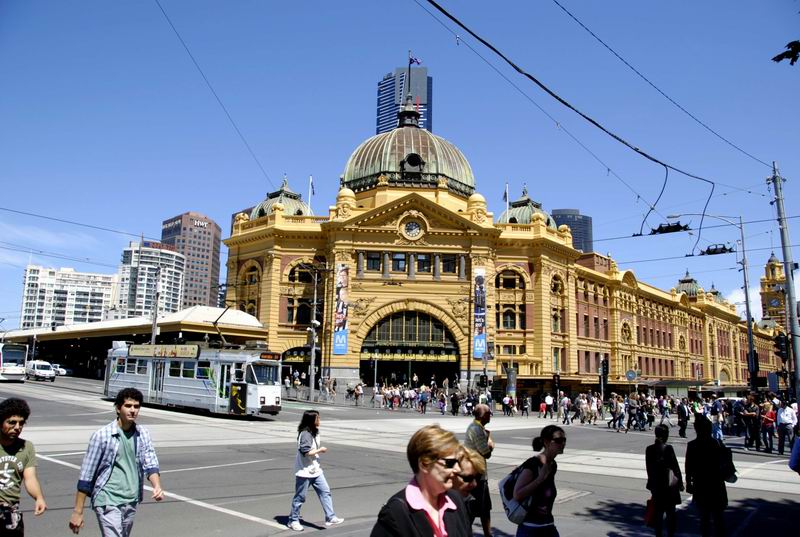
<point>768,418</point>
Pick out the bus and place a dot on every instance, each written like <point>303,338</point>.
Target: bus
<point>233,380</point>
<point>13,357</point>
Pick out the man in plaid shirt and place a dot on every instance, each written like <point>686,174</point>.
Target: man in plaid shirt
<point>119,456</point>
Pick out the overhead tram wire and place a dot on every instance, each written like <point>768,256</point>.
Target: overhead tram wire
<point>659,90</point>
<point>558,125</point>
<point>687,256</point>
<point>216,96</point>
<point>621,237</point>
<point>74,223</point>
<point>45,253</point>
<point>589,119</point>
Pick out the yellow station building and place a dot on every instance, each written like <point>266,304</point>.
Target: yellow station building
<point>414,274</point>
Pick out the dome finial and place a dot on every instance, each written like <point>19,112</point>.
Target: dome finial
<point>524,189</point>
<point>285,182</point>
<point>409,115</point>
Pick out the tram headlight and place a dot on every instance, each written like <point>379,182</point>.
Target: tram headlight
<point>263,401</point>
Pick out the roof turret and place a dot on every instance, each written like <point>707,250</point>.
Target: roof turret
<point>291,201</point>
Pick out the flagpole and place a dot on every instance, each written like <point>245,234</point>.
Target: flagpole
<point>507,215</point>
<point>408,75</point>
<point>310,190</point>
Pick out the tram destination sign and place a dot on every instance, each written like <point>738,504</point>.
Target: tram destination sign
<point>165,351</point>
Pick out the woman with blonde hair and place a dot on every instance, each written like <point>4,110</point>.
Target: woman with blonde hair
<point>472,485</point>
<point>427,507</point>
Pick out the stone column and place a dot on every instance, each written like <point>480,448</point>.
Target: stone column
<point>386,264</point>
<point>360,265</point>
<point>437,266</point>
<point>462,267</point>
<point>412,266</point>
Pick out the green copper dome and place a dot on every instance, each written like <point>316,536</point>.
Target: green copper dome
<point>408,156</point>
<point>521,211</point>
<point>687,285</point>
<point>293,205</point>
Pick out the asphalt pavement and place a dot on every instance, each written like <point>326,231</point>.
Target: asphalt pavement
<point>233,476</point>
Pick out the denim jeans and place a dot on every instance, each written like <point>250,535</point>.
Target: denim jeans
<point>116,520</point>
<point>323,491</point>
<point>767,432</point>
<point>529,531</point>
<point>784,434</point>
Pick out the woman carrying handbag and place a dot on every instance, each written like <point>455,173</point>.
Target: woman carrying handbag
<point>664,481</point>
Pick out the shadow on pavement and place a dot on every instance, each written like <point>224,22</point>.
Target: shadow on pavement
<point>742,517</point>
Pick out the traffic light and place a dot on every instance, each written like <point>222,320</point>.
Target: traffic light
<point>755,362</point>
<point>780,342</point>
<point>483,381</point>
<point>604,368</point>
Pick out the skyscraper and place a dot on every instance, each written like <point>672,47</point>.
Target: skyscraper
<point>55,297</point>
<point>581,226</point>
<point>198,238</point>
<point>392,91</point>
<point>149,268</point>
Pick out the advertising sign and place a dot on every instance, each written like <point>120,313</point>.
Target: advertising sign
<point>479,326</point>
<point>341,328</point>
<point>165,351</point>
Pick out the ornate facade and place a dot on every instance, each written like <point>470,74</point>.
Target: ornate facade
<point>413,273</point>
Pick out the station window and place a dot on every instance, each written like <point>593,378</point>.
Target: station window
<point>398,262</point>
<point>374,261</point>
<point>423,263</point>
<point>449,263</point>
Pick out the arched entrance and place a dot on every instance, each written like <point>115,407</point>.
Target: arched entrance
<point>406,343</point>
<point>298,359</point>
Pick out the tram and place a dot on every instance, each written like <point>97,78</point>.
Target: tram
<point>13,357</point>
<point>238,380</point>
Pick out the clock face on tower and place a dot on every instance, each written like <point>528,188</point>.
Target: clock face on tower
<point>774,302</point>
<point>412,229</point>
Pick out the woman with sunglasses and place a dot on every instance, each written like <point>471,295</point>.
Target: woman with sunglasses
<point>427,507</point>
<point>308,471</point>
<point>471,483</point>
<point>536,484</point>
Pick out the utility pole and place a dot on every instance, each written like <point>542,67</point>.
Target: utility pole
<point>155,307</point>
<point>313,330</point>
<point>751,352</point>
<point>788,269</point>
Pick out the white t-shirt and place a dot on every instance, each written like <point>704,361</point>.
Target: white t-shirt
<point>548,400</point>
<point>305,466</point>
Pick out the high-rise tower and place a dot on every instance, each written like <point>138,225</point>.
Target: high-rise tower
<point>579,224</point>
<point>198,238</point>
<point>392,91</point>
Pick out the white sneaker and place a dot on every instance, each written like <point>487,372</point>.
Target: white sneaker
<point>334,521</point>
<point>295,525</point>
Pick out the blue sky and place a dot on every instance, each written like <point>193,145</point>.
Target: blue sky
<point>105,120</point>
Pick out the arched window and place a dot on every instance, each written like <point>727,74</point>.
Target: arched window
<point>509,279</point>
<point>301,274</point>
<point>556,285</point>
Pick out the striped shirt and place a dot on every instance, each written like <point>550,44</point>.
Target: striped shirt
<point>102,451</point>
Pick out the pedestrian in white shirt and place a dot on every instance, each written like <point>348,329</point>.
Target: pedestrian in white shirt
<point>787,419</point>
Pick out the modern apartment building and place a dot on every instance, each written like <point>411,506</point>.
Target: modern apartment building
<point>148,268</point>
<point>62,296</point>
<point>579,224</point>
<point>198,238</point>
<point>392,91</point>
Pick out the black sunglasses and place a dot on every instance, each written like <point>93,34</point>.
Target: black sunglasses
<point>449,463</point>
<point>467,478</point>
<point>560,440</point>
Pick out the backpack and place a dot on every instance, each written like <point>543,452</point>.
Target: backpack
<point>515,511</point>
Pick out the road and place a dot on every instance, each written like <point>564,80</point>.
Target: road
<point>230,476</point>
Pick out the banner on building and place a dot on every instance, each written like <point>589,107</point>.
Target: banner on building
<point>341,329</point>
<point>479,326</point>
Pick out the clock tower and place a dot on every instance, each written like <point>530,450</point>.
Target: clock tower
<point>773,299</point>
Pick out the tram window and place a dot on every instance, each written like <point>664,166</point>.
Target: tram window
<point>130,366</point>
<point>203,369</point>
<point>262,374</point>
<point>120,365</point>
<point>174,368</point>
<point>141,367</point>
<point>188,369</point>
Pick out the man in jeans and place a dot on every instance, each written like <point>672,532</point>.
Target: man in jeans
<point>17,467</point>
<point>119,456</point>
<point>479,439</point>
<point>787,419</point>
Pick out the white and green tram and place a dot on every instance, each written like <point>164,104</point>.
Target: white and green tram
<point>244,380</point>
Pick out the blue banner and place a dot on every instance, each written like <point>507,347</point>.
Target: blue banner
<point>340,342</point>
<point>479,323</point>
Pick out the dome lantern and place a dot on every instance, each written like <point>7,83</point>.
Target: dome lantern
<point>291,203</point>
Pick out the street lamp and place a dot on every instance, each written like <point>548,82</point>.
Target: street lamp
<point>751,353</point>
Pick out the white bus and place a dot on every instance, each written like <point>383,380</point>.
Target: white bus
<point>13,357</point>
<point>243,380</point>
